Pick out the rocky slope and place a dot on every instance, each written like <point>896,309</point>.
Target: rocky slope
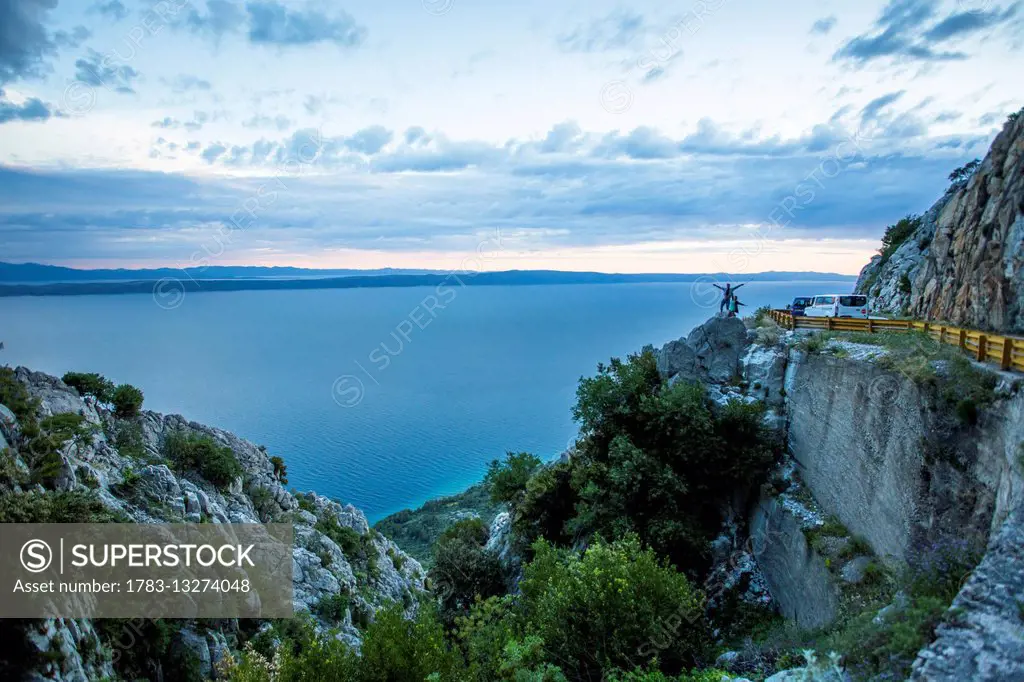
<point>963,264</point>
<point>136,481</point>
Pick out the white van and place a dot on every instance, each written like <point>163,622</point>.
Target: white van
<point>838,305</point>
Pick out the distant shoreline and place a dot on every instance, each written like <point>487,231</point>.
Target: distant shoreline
<point>171,286</point>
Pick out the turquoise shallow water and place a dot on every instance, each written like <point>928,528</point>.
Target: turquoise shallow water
<point>379,397</point>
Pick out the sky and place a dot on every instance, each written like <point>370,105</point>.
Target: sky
<point>684,136</point>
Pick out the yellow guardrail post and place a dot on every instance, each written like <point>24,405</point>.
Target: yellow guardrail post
<point>963,340</point>
<point>1007,359</point>
<point>982,347</point>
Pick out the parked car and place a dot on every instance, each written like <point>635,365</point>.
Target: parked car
<point>838,305</point>
<point>799,304</point>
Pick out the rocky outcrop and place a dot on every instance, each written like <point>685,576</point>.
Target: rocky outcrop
<point>137,481</point>
<point>985,640</point>
<point>965,262</point>
<point>710,353</point>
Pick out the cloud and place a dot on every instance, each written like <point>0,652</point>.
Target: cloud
<point>966,23</point>
<point>213,152</point>
<point>368,141</point>
<point>614,31</point>
<point>32,109</point>
<point>199,118</point>
<point>25,44</point>
<point>824,26</point>
<point>870,112</point>
<point>272,23</point>
<point>186,82</point>
<point>898,33</point>
<point>260,121</point>
<point>98,70</point>
<point>221,17</point>
<point>269,22</point>
<point>110,9</point>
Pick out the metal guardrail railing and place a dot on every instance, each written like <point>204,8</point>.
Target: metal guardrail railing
<point>1005,351</point>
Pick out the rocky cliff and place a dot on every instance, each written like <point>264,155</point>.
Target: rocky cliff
<point>894,449</point>
<point>122,463</point>
<point>963,263</point>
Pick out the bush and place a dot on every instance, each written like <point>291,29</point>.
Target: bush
<point>896,234</point>
<point>332,607</point>
<point>216,463</point>
<point>280,469</point>
<point>52,435</point>
<point>463,569</point>
<point>92,384</point>
<point>616,607</point>
<point>127,401</point>
<point>17,399</point>
<point>56,507</point>
<point>507,480</point>
<point>658,461</point>
<point>129,440</point>
<point>906,286</point>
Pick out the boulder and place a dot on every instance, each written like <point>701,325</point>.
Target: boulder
<point>711,352</point>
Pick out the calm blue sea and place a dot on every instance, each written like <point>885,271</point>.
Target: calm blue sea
<point>378,397</point>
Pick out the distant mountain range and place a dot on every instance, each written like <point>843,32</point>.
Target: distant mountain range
<point>32,279</point>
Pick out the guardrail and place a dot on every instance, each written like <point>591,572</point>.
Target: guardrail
<point>1005,351</point>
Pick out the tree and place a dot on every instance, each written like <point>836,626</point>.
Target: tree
<point>464,570</point>
<point>127,401</point>
<point>507,480</point>
<point>964,172</point>
<point>92,384</point>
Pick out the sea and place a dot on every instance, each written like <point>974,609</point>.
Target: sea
<point>382,398</point>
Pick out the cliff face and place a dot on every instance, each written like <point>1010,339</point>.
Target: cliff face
<point>137,482</point>
<point>964,263</point>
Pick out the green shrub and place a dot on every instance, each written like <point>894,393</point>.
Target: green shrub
<point>463,569</point>
<point>906,286</point>
<point>263,502</point>
<point>616,607</point>
<point>92,384</point>
<point>56,507</point>
<point>127,401</point>
<point>214,462</point>
<point>129,440</point>
<point>332,607</point>
<point>896,234</point>
<point>280,469</point>
<point>547,505</point>
<point>653,459</point>
<point>53,434</point>
<point>17,399</point>
<point>507,480</point>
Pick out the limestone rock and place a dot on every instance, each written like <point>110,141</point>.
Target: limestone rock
<point>711,352</point>
<point>983,642</point>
